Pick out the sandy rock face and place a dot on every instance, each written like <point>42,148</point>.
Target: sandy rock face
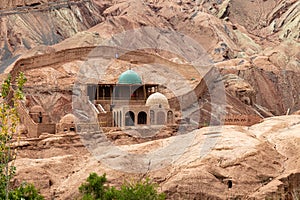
<point>272,87</point>
<point>259,162</point>
<point>252,48</point>
<point>32,25</point>
<point>222,28</point>
<point>239,88</point>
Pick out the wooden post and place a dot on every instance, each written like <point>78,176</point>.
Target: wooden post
<point>145,93</point>
<point>130,92</point>
<point>97,92</point>
<point>103,92</point>
<point>110,93</point>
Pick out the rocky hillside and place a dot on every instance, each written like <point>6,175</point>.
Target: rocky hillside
<point>224,28</point>
<point>27,24</point>
<point>219,58</point>
<point>258,71</point>
<point>260,161</point>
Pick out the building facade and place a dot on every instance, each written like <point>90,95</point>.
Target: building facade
<point>127,103</point>
<point>130,102</point>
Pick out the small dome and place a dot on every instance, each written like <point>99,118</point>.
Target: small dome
<point>68,119</point>
<point>129,77</point>
<point>37,109</point>
<point>157,99</point>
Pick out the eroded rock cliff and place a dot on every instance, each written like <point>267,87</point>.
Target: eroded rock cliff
<point>260,161</point>
<point>252,49</point>
<point>25,25</point>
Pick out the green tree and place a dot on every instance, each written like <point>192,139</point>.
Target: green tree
<point>9,121</point>
<point>95,189</point>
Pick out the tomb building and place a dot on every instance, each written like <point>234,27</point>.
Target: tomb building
<point>130,102</point>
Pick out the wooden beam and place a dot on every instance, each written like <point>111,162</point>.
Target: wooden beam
<point>145,93</point>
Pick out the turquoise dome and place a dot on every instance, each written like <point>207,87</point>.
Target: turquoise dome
<point>129,77</point>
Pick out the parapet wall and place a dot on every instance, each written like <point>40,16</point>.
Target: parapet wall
<point>83,53</point>
<point>49,59</point>
<point>46,128</point>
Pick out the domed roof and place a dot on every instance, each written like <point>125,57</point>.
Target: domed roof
<point>36,109</point>
<point>68,119</point>
<point>129,77</point>
<point>157,99</point>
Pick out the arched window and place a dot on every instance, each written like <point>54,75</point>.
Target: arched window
<point>142,118</point>
<point>170,117</point>
<point>129,118</point>
<point>161,118</point>
<point>152,117</point>
<point>40,118</point>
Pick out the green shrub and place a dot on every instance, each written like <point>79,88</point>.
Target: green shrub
<point>25,192</point>
<point>94,189</point>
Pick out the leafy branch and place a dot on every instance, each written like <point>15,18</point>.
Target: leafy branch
<point>9,120</point>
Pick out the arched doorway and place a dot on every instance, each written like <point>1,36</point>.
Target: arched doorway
<point>152,120</point>
<point>129,118</point>
<point>40,118</point>
<point>170,117</point>
<point>142,118</point>
<point>161,118</point>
